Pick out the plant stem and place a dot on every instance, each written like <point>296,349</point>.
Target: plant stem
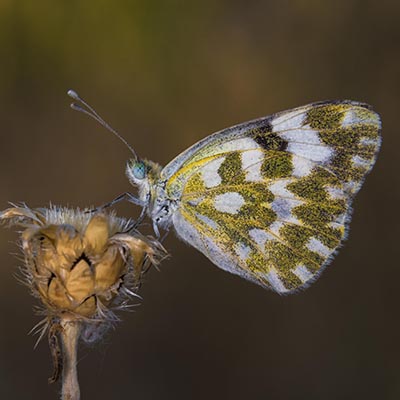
<point>70,333</point>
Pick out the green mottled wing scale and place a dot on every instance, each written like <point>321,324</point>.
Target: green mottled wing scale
<point>269,200</point>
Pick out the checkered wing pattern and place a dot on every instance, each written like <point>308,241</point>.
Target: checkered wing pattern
<point>270,199</point>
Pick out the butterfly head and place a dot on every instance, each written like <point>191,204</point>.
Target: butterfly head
<point>143,174</point>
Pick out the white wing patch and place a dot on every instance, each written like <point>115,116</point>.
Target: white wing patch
<point>283,209</point>
<point>237,144</point>
<point>288,120</point>
<point>208,221</point>
<point>368,142</point>
<point>335,192</point>
<point>210,174</point>
<point>260,236</point>
<point>251,164</point>
<point>242,251</point>
<point>274,280</point>
<point>301,166</point>
<point>302,273</point>
<point>304,135</point>
<point>318,247</point>
<point>275,227</point>
<point>351,118</point>
<point>278,188</point>
<point>318,153</point>
<point>230,202</point>
<point>360,162</point>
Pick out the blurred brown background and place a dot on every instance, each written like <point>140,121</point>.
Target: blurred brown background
<point>166,74</point>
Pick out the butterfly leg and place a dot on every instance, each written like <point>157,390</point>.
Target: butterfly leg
<point>156,230</point>
<point>158,233</point>
<point>124,196</point>
<point>141,217</point>
<point>164,236</point>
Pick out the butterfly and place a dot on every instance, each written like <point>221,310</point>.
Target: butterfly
<point>269,199</point>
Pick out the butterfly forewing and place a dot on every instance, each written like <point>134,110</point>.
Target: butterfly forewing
<point>269,199</point>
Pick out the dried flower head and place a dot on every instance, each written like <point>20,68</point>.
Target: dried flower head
<point>82,266</point>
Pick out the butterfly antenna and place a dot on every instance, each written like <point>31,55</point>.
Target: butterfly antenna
<point>83,107</point>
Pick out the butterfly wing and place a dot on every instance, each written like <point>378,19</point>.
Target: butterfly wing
<point>269,199</point>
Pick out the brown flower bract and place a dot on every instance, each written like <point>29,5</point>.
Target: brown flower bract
<point>82,263</point>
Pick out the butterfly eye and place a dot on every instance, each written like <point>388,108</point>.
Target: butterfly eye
<point>139,170</point>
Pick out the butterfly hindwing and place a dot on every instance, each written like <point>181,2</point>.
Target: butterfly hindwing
<point>269,200</point>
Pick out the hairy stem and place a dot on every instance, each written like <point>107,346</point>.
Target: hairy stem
<point>70,333</point>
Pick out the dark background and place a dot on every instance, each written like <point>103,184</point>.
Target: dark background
<point>166,74</point>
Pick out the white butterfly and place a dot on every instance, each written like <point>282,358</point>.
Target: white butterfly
<point>268,199</point>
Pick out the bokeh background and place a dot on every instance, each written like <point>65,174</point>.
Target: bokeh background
<point>166,74</point>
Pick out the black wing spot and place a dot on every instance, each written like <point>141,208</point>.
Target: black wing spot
<point>270,141</point>
<point>266,127</point>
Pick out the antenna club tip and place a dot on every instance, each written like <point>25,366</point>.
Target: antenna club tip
<point>73,94</point>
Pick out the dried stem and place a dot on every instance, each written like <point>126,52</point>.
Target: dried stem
<point>82,266</point>
<point>70,333</point>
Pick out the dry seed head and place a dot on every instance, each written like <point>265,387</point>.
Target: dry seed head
<point>81,264</point>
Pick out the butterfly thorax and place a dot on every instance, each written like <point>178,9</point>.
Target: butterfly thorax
<point>162,206</point>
